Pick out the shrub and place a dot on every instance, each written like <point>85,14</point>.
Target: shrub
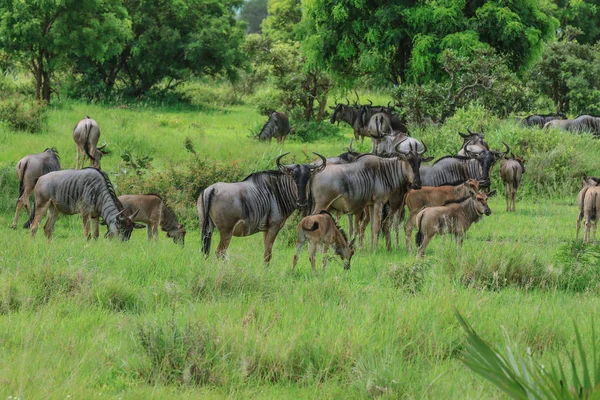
<point>408,276</point>
<point>579,263</point>
<point>21,115</point>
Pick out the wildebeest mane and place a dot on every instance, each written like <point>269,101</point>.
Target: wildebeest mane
<point>258,176</point>
<point>462,158</point>
<point>110,187</point>
<point>457,201</point>
<point>339,228</point>
<point>53,149</point>
<point>165,203</point>
<point>587,115</point>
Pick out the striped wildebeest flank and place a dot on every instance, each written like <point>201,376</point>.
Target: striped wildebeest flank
<point>583,123</point>
<point>88,192</point>
<point>591,205</point>
<point>277,126</point>
<point>539,120</point>
<point>369,181</point>
<point>260,203</point>
<point>29,169</point>
<point>86,135</point>
<point>474,142</point>
<point>587,182</point>
<point>321,230</point>
<point>511,171</point>
<point>434,196</point>
<point>455,218</point>
<point>154,211</point>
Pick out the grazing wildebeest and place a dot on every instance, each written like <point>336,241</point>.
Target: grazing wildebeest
<point>87,192</point>
<point>591,204</point>
<point>369,181</point>
<point>511,170</point>
<point>540,120</point>
<point>587,182</point>
<point>352,116</point>
<point>344,158</point>
<point>434,196</point>
<point>454,218</point>
<point>474,142</point>
<point>154,211</point>
<point>321,229</point>
<point>277,126</point>
<point>86,135</point>
<point>29,169</point>
<point>387,144</point>
<point>583,123</point>
<point>260,203</point>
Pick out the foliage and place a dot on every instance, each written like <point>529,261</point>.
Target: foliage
<point>569,72</point>
<point>526,378</point>
<point>23,115</point>
<point>282,20</point>
<point>139,164</point>
<point>47,36</point>
<point>253,12</point>
<point>582,15</point>
<point>403,41</point>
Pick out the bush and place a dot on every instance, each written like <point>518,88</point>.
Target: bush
<point>21,115</point>
<point>408,276</point>
<point>310,131</point>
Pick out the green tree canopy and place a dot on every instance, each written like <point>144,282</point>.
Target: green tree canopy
<point>46,35</point>
<point>583,15</point>
<point>403,40</point>
<point>253,13</point>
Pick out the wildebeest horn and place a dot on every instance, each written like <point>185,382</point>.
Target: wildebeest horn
<point>350,147</point>
<point>370,102</point>
<point>132,216</point>
<point>397,147</point>
<point>424,150</point>
<point>388,106</point>
<point>103,146</point>
<point>469,130</point>
<point>347,101</point>
<point>120,212</point>
<point>282,167</point>
<point>318,168</point>
<point>462,135</point>
<point>507,148</point>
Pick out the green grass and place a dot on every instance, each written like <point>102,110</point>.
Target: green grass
<point>154,320</point>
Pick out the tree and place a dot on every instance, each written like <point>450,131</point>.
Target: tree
<point>253,13</point>
<point>569,73</point>
<point>583,15</point>
<point>46,35</point>
<point>171,41</point>
<point>403,40</point>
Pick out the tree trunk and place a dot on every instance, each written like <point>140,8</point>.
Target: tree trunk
<point>46,86</point>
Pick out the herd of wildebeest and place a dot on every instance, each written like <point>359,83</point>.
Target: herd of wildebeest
<point>376,187</point>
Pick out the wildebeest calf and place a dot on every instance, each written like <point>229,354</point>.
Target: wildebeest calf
<point>591,205</point>
<point>321,229</point>
<point>434,196</point>
<point>511,170</point>
<point>588,182</point>
<point>154,212</point>
<point>455,218</point>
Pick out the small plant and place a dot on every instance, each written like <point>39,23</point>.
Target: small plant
<point>139,164</point>
<point>409,276</point>
<point>26,116</point>
<point>525,378</point>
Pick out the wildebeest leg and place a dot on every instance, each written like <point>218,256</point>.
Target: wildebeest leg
<point>312,250</point>
<point>95,228</point>
<point>360,223</point>
<point>269,238</point>
<point>350,227</point>
<point>421,250</point>
<point>224,240</point>
<point>49,225</point>
<point>86,225</point>
<point>594,226</point>
<point>507,196</point>
<point>375,210</point>
<point>77,159</point>
<point>408,228</point>
<point>40,210</point>
<point>514,200</point>
<point>586,231</point>
<point>150,232</point>
<point>299,244</point>
<point>579,218</point>
<point>325,258</point>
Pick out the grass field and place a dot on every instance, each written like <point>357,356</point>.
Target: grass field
<point>154,320</point>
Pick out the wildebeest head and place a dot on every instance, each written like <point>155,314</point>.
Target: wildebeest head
<point>487,159</point>
<point>590,181</point>
<point>472,186</point>
<point>346,253</point>
<point>98,155</point>
<point>123,226</point>
<point>301,174</point>
<point>474,141</point>
<point>177,234</point>
<point>414,158</point>
<point>481,203</point>
<point>342,112</point>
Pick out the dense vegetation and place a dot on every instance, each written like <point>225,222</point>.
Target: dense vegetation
<point>179,87</point>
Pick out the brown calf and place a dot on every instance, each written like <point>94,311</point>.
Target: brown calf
<point>432,196</point>
<point>511,170</point>
<point>455,218</point>
<point>154,212</point>
<point>588,182</point>
<point>321,229</point>
<point>591,205</point>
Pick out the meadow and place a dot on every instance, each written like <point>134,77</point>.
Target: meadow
<point>94,319</point>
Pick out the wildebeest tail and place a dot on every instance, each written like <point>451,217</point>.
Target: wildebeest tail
<point>21,179</point>
<point>207,227</point>
<point>419,237</point>
<point>593,207</point>
<point>515,171</point>
<point>27,224</point>
<point>86,141</point>
<point>309,225</point>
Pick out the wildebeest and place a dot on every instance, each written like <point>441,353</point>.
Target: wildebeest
<point>277,126</point>
<point>321,230</point>
<point>474,143</point>
<point>587,182</point>
<point>583,123</point>
<point>86,135</point>
<point>154,211</point>
<point>88,192</point>
<point>591,205</point>
<point>352,116</point>
<point>29,169</point>
<point>454,218</point>
<point>260,203</point>
<point>344,158</point>
<point>540,120</point>
<point>511,170</point>
<point>369,181</point>
<point>387,144</point>
<point>434,196</point>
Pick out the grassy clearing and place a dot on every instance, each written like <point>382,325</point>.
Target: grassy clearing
<point>140,320</point>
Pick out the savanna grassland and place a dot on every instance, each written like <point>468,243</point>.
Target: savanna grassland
<point>92,319</point>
